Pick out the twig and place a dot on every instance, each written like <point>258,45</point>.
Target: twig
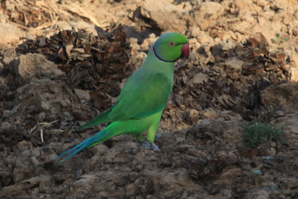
<point>41,135</point>
<point>41,126</point>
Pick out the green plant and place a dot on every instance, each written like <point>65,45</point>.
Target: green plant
<point>280,38</point>
<point>257,133</point>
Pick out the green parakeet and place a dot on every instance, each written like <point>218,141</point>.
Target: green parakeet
<point>141,102</point>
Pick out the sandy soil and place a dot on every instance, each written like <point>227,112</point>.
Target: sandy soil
<point>61,63</point>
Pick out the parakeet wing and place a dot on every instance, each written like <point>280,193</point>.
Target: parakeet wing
<point>141,99</point>
<point>137,100</point>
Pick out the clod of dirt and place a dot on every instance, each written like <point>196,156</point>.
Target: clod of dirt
<point>294,74</point>
<point>10,33</point>
<point>207,13</point>
<point>243,54</point>
<point>283,95</point>
<point>29,66</point>
<point>152,14</point>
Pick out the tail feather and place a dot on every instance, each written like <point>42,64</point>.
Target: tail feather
<point>90,142</point>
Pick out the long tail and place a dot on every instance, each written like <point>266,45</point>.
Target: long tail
<point>98,138</point>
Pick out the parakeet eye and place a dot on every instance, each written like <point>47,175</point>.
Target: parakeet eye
<point>172,44</point>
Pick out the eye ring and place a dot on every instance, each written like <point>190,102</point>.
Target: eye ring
<point>172,44</point>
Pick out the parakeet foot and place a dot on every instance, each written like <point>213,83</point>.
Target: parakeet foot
<point>149,145</point>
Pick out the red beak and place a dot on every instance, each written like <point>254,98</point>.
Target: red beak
<point>185,50</point>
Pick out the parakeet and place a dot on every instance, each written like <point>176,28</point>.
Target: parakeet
<point>141,102</point>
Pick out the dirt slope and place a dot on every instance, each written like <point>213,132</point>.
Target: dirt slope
<point>64,62</point>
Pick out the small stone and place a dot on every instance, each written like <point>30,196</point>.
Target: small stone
<point>45,105</point>
<point>262,194</point>
<point>10,33</point>
<point>294,74</point>
<point>82,94</point>
<point>205,122</point>
<point>210,114</point>
<point>272,151</point>
<point>6,113</point>
<point>31,65</point>
<point>5,125</point>
<point>199,78</point>
<point>24,145</point>
<point>293,185</point>
<point>41,117</point>
<point>235,63</point>
<point>45,184</point>
<point>272,144</point>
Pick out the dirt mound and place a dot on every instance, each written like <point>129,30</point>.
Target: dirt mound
<point>242,69</point>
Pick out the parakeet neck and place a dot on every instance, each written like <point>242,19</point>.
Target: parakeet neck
<point>158,65</point>
<point>159,57</point>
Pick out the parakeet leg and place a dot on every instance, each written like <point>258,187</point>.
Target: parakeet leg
<point>151,136</point>
<point>151,132</point>
<point>140,137</point>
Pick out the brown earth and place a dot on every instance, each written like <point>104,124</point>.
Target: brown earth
<point>61,63</point>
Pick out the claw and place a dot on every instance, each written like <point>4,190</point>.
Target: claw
<point>155,147</point>
<point>147,145</point>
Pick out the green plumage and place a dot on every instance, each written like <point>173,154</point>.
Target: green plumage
<point>144,96</point>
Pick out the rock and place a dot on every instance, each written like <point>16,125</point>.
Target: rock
<point>293,127</point>
<point>45,105</point>
<point>156,12</point>
<point>44,95</point>
<point>294,58</point>
<point>24,145</point>
<point>13,191</point>
<point>210,114</point>
<point>8,54</point>
<point>10,33</point>
<point>199,78</point>
<point>261,194</point>
<point>204,38</point>
<point>132,188</point>
<point>41,116</point>
<point>34,65</point>
<point>100,149</point>
<point>293,184</point>
<point>43,181</point>
<point>191,116</point>
<point>20,171</point>
<point>283,95</point>
<point>294,74</point>
<point>207,14</point>
<point>82,94</point>
<point>5,125</point>
<point>193,42</point>
<point>231,174</point>
<point>235,63</point>
<point>205,122</point>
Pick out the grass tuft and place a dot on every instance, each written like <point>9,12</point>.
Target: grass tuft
<point>258,133</point>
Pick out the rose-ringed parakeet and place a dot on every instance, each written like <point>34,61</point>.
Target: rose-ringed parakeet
<point>141,102</point>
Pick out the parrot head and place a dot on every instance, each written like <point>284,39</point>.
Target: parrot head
<point>170,47</point>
